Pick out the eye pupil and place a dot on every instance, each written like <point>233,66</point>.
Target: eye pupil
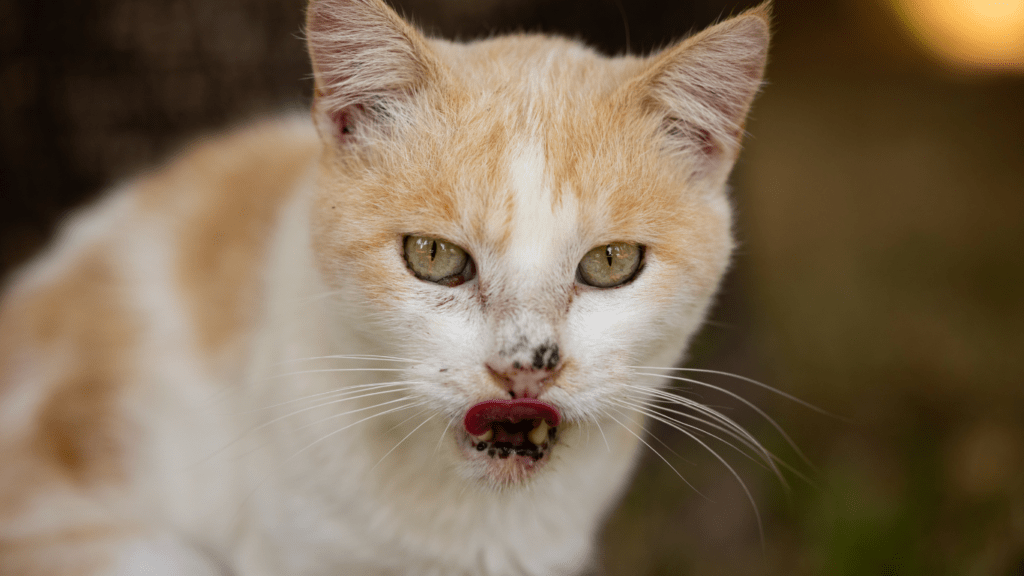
<point>610,265</point>
<point>437,260</point>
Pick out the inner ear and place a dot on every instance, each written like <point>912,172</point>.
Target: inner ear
<point>351,120</point>
<point>344,121</point>
<point>683,134</point>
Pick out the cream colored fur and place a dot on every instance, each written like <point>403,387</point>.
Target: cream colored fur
<point>173,391</point>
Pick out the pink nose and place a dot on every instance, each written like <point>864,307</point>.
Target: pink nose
<point>523,382</point>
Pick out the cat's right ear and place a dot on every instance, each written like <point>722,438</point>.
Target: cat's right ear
<point>368,64</point>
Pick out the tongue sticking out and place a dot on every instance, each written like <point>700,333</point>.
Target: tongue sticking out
<point>505,413</point>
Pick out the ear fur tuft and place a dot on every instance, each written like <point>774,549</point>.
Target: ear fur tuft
<point>366,62</point>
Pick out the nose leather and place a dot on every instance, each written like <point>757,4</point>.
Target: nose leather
<point>523,381</point>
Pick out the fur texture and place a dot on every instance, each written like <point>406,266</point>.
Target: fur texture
<point>227,367</point>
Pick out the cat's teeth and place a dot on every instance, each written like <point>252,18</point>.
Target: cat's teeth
<point>485,437</point>
<point>539,434</point>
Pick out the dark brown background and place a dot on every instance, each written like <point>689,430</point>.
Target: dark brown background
<point>879,275</point>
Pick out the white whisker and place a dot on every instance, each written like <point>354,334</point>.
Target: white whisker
<point>766,456</point>
<point>403,439</point>
<point>336,392</point>
<point>396,388</point>
<point>750,497</point>
<point>601,430</point>
<point>343,428</point>
<point>329,402</point>
<point>443,434</point>
<point>651,433</point>
<point>371,357</point>
<point>785,395</point>
<point>748,403</point>
<point>315,422</point>
<point>728,426</point>
<point>406,420</point>
<point>718,420</point>
<point>321,439</point>
<point>357,410</point>
<point>656,453</point>
<point>324,370</point>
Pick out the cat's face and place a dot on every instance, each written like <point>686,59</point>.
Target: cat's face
<point>527,223</point>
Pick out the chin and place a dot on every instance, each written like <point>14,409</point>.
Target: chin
<point>508,455</point>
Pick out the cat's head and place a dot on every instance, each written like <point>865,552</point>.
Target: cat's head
<point>523,216</point>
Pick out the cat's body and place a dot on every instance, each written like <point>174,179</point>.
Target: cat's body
<point>168,400</point>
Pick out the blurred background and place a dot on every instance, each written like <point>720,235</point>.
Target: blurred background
<point>880,274</point>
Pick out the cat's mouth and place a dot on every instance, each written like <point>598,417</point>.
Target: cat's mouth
<point>524,427</point>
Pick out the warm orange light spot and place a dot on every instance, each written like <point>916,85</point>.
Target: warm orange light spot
<point>981,34</point>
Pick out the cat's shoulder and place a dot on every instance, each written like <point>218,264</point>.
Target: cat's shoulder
<point>203,217</point>
<point>220,201</point>
<point>185,236</point>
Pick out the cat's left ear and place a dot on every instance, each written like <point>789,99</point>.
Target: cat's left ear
<point>368,65</point>
<point>701,90</point>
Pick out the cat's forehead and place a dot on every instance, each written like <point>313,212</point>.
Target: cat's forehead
<point>533,66</point>
<point>533,201</point>
<point>526,181</point>
<point>530,178</point>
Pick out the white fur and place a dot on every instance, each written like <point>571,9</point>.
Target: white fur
<point>539,224</point>
<point>164,556</point>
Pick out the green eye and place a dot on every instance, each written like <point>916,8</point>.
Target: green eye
<point>438,261</point>
<point>610,265</point>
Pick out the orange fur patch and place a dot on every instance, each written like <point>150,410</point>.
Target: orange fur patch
<point>82,323</point>
<point>222,199</point>
<point>79,326</point>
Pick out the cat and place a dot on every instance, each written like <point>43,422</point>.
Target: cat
<point>401,338</point>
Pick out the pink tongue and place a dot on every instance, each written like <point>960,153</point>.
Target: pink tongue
<point>481,416</point>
